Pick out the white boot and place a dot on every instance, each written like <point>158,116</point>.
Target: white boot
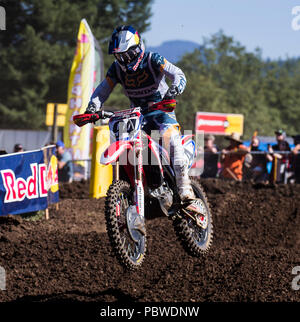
<point>185,191</point>
<point>187,196</point>
<point>183,181</point>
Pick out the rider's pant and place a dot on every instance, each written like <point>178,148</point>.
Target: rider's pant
<point>169,130</point>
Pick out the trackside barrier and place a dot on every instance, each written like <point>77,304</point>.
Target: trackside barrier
<point>28,181</point>
<point>278,170</point>
<point>101,175</point>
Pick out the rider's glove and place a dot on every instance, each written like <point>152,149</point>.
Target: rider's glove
<point>91,109</point>
<point>172,92</point>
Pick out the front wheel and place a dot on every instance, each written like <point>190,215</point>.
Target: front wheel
<point>195,240</point>
<point>123,225</point>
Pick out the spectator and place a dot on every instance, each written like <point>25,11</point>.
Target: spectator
<point>2,152</point>
<point>259,161</point>
<point>64,162</point>
<point>282,144</point>
<point>280,160</point>
<point>296,158</point>
<point>18,148</point>
<point>233,158</point>
<point>210,158</point>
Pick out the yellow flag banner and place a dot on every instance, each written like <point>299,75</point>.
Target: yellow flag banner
<point>84,73</point>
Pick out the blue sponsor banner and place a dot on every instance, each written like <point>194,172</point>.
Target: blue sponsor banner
<point>28,181</point>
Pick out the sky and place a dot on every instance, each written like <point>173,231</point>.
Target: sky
<point>267,24</point>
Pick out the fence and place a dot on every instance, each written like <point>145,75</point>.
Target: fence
<point>29,139</point>
<point>283,168</point>
<point>282,171</point>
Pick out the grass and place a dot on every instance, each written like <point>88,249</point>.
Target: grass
<point>33,216</point>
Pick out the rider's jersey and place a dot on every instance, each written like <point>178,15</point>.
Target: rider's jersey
<point>144,86</point>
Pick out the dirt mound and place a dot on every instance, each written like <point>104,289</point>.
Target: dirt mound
<point>68,258</point>
<point>75,190</point>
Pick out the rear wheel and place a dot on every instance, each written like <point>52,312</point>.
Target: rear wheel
<point>124,226</point>
<point>195,240</point>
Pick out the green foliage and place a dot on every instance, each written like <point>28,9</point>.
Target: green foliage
<point>37,50</point>
<point>223,77</point>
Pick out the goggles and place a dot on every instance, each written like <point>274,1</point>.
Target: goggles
<point>128,56</point>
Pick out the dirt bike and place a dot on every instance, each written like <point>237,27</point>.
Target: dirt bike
<point>136,183</point>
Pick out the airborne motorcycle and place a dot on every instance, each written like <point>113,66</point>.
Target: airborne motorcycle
<point>143,172</point>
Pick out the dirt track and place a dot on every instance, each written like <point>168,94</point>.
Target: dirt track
<point>256,245</point>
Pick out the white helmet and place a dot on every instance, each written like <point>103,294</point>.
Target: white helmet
<point>127,46</point>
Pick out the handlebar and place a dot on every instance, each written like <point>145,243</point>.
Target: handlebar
<point>83,119</point>
<point>166,105</point>
<point>104,114</point>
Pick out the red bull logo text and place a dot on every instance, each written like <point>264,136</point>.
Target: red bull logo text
<point>35,186</point>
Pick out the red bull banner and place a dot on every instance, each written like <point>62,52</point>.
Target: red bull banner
<point>28,181</point>
<point>219,123</point>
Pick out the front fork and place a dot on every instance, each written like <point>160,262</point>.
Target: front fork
<point>138,174</point>
<point>116,171</point>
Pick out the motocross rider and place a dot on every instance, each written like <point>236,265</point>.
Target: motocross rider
<point>142,76</point>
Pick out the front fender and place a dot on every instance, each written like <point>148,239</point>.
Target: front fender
<point>113,152</point>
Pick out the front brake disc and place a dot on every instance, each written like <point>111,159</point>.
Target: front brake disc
<point>135,224</point>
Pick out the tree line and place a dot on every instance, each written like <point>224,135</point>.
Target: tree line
<point>38,47</point>
<point>224,77</point>
<point>37,50</point>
